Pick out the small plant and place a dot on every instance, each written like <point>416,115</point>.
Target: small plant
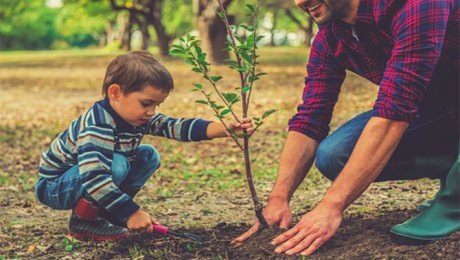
<point>223,103</point>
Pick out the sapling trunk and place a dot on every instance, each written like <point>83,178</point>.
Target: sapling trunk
<point>245,64</point>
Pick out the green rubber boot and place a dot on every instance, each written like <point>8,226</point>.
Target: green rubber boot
<point>438,220</point>
<point>427,203</point>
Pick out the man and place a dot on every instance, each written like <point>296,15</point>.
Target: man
<point>410,49</point>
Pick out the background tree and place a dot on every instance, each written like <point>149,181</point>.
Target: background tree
<point>211,28</point>
<point>26,24</point>
<point>145,13</point>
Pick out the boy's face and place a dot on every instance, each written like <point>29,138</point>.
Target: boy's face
<point>137,107</point>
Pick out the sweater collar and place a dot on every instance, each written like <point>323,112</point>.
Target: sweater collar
<point>121,124</point>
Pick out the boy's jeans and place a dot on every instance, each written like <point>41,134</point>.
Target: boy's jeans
<point>64,191</point>
<point>427,149</point>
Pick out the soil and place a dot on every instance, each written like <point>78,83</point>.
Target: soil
<point>360,237</point>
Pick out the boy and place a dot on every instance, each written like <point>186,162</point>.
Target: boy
<point>97,165</point>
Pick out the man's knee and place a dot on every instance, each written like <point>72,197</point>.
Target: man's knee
<point>329,159</point>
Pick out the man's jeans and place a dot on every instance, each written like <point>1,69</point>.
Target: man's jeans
<point>64,191</point>
<point>427,149</point>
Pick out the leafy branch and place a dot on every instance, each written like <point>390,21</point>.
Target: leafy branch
<point>245,51</point>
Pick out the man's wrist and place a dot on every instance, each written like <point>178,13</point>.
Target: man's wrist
<point>280,197</point>
<point>333,204</point>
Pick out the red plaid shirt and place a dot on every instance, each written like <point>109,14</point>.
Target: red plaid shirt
<point>410,48</point>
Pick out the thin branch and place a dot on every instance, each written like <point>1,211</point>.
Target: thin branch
<point>207,76</point>
<point>222,121</point>
<point>238,58</point>
<point>254,56</point>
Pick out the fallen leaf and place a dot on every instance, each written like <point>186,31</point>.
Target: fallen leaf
<point>31,248</point>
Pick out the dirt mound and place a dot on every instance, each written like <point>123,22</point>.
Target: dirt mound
<point>360,237</point>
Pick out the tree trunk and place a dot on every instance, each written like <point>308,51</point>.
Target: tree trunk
<point>211,28</point>
<point>143,27</point>
<point>308,29</point>
<point>272,30</point>
<point>128,32</point>
<point>309,32</point>
<point>154,17</point>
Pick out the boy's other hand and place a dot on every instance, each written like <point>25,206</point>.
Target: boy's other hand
<point>246,124</point>
<point>141,221</point>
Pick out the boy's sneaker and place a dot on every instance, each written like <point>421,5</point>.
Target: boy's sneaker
<point>99,229</point>
<point>85,224</point>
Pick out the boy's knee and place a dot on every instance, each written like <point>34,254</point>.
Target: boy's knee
<point>329,159</point>
<point>120,168</point>
<point>148,155</point>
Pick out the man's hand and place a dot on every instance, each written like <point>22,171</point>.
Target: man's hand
<point>313,230</point>
<point>276,212</point>
<point>141,221</point>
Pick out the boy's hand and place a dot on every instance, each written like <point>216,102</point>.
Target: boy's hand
<point>141,221</point>
<point>246,124</point>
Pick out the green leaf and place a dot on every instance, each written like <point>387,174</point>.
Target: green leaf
<point>190,61</point>
<point>246,57</point>
<point>261,74</point>
<point>216,78</point>
<point>251,8</point>
<point>176,51</point>
<point>225,111</point>
<point>230,61</point>
<point>246,89</point>
<point>242,69</point>
<point>221,14</point>
<point>268,112</point>
<point>196,69</point>
<point>178,46</point>
<point>260,37</point>
<point>231,98</point>
<point>202,102</point>
<point>68,248</point>
<point>198,85</point>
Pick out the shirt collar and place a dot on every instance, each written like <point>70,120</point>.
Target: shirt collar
<point>121,124</point>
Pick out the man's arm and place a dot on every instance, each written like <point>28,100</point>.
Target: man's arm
<point>418,31</point>
<point>379,139</point>
<point>296,159</point>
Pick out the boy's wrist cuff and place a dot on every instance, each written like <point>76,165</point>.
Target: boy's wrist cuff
<point>126,209</point>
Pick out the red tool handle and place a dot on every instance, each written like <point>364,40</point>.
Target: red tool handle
<point>159,229</point>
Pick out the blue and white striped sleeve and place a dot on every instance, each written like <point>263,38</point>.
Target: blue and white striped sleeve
<point>95,146</point>
<point>181,129</point>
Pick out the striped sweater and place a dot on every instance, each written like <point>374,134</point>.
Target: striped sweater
<point>93,138</point>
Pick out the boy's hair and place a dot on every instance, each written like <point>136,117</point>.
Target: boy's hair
<point>135,70</point>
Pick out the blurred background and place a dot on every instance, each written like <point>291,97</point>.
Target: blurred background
<point>142,24</point>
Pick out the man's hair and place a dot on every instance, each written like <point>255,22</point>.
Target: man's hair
<point>135,70</point>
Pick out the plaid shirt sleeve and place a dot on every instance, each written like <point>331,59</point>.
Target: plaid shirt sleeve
<point>322,86</point>
<point>418,31</point>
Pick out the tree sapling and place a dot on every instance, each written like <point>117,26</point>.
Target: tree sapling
<point>245,65</point>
